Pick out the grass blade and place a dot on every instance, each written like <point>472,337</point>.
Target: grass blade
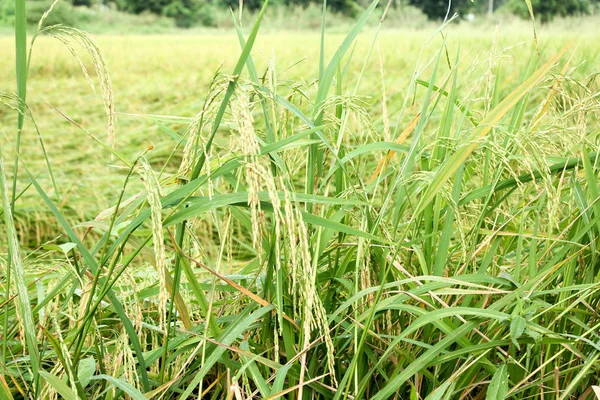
<point>498,387</point>
<point>123,385</point>
<point>58,385</point>
<point>23,303</point>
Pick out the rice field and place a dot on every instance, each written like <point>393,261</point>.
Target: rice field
<point>407,214</point>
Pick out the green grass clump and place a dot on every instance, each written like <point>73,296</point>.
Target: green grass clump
<point>374,219</point>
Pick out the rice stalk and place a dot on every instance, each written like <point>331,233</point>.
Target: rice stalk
<point>45,15</point>
<point>70,37</point>
<point>152,186</point>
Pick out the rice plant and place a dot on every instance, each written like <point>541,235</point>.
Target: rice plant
<point>304,239</point>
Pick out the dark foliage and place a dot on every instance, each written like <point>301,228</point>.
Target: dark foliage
<point>437,9</point>
<point>86,3</point>
<point>545,10</point>
<point>347,7</point>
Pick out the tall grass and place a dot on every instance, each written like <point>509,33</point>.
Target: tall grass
<point>294,245</point>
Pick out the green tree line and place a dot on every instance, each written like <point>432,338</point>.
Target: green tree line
<point>187,13</point>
